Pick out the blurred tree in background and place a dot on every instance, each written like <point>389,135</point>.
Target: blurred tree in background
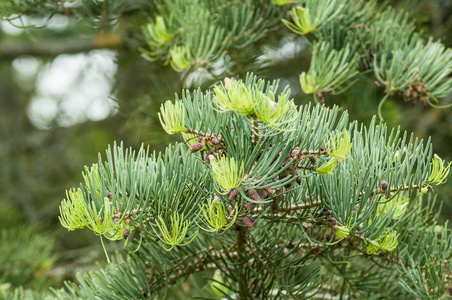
<point>74,78</point>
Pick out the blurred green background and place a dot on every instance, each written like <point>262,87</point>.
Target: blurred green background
<point>67,91</point>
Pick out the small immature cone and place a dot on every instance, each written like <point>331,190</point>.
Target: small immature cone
<point>215,140</point>
<point>126,232</point>
<point>332,220</point>
<point>249,206</point>
<point>254,195</point>
<point>233,194</point>
<point>249,221</point>
<point>294,153</point>
<point>195,147</point>
<point>312,159</point>
<point>383,187</point>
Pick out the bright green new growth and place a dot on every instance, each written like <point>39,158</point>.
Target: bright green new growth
<point>397,206</point>
<point>262,198</point>
<point>339,144</point>
<point>175,232</point>
<point>314,13</point>
<point>342,232</point>
<point>77,213</point>
<point>158,31</point>
<point>328,167</point>
<point>172,117</point>
<point>235,96</point>
<point>214,216</point>
<point>439,171</point>
<point>180,58</point>
<point>389,243</point>
<point>227,172</point>
<point>250,99</point>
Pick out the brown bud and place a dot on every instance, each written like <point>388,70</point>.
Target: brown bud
<point>313,159</point>
<point>332,220</point>
<point>274,205</point>
<point>126,232</point>
<point>233,194</point>
<point>208,157</point>
<point>294,153</point>
<point>264,193</point>
<point>249,221</point>
<point>407,95</point>
<point>355,207</point>
<point>384,186</point>
<point>254,195</point>
<point>267,189</point>
<point>109,194</point>
<point>298,180</point>
<point>127,220</point>
<point>195,147</point>
<point>249,205</point>
<point>359,228</point>
<point>287,161</point>
<point>327,212</point>
<point>215,140</point>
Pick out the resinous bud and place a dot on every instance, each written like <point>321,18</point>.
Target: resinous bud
<point>384,186</point>
<point>249,221</point>
<point>195,147</point>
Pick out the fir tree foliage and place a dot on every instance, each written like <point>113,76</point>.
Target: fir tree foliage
<point>400,59</point>
<point>349,40</point>
<point>265,205</point>
<point>191,34</point>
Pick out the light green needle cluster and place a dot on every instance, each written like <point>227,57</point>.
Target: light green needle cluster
<point>313,14</point>
<point>273,114</point>
<point>214,217</point>
<point>389,243</point>
<point>92,174</point>
<point>77,213</point>
<point>235,96</point>
<point>172,117</point>
<point>181,58</point>
<point>227,172</point>
<point>439,171</point>
<point>328,167</point>
<point>158,31</point>
<point>175,233</point>
<point>339,145</point>
<point>253,102</point>
<point>397,206</point>
<point>302,23</point>
<point>342,232</point>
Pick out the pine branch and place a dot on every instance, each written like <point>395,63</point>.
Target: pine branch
<point>52,48</point>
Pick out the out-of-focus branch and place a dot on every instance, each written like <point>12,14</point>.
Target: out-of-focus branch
<point>54,47</point>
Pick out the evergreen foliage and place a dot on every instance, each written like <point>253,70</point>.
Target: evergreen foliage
<point>278,219</point>
<point>268,199</point>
